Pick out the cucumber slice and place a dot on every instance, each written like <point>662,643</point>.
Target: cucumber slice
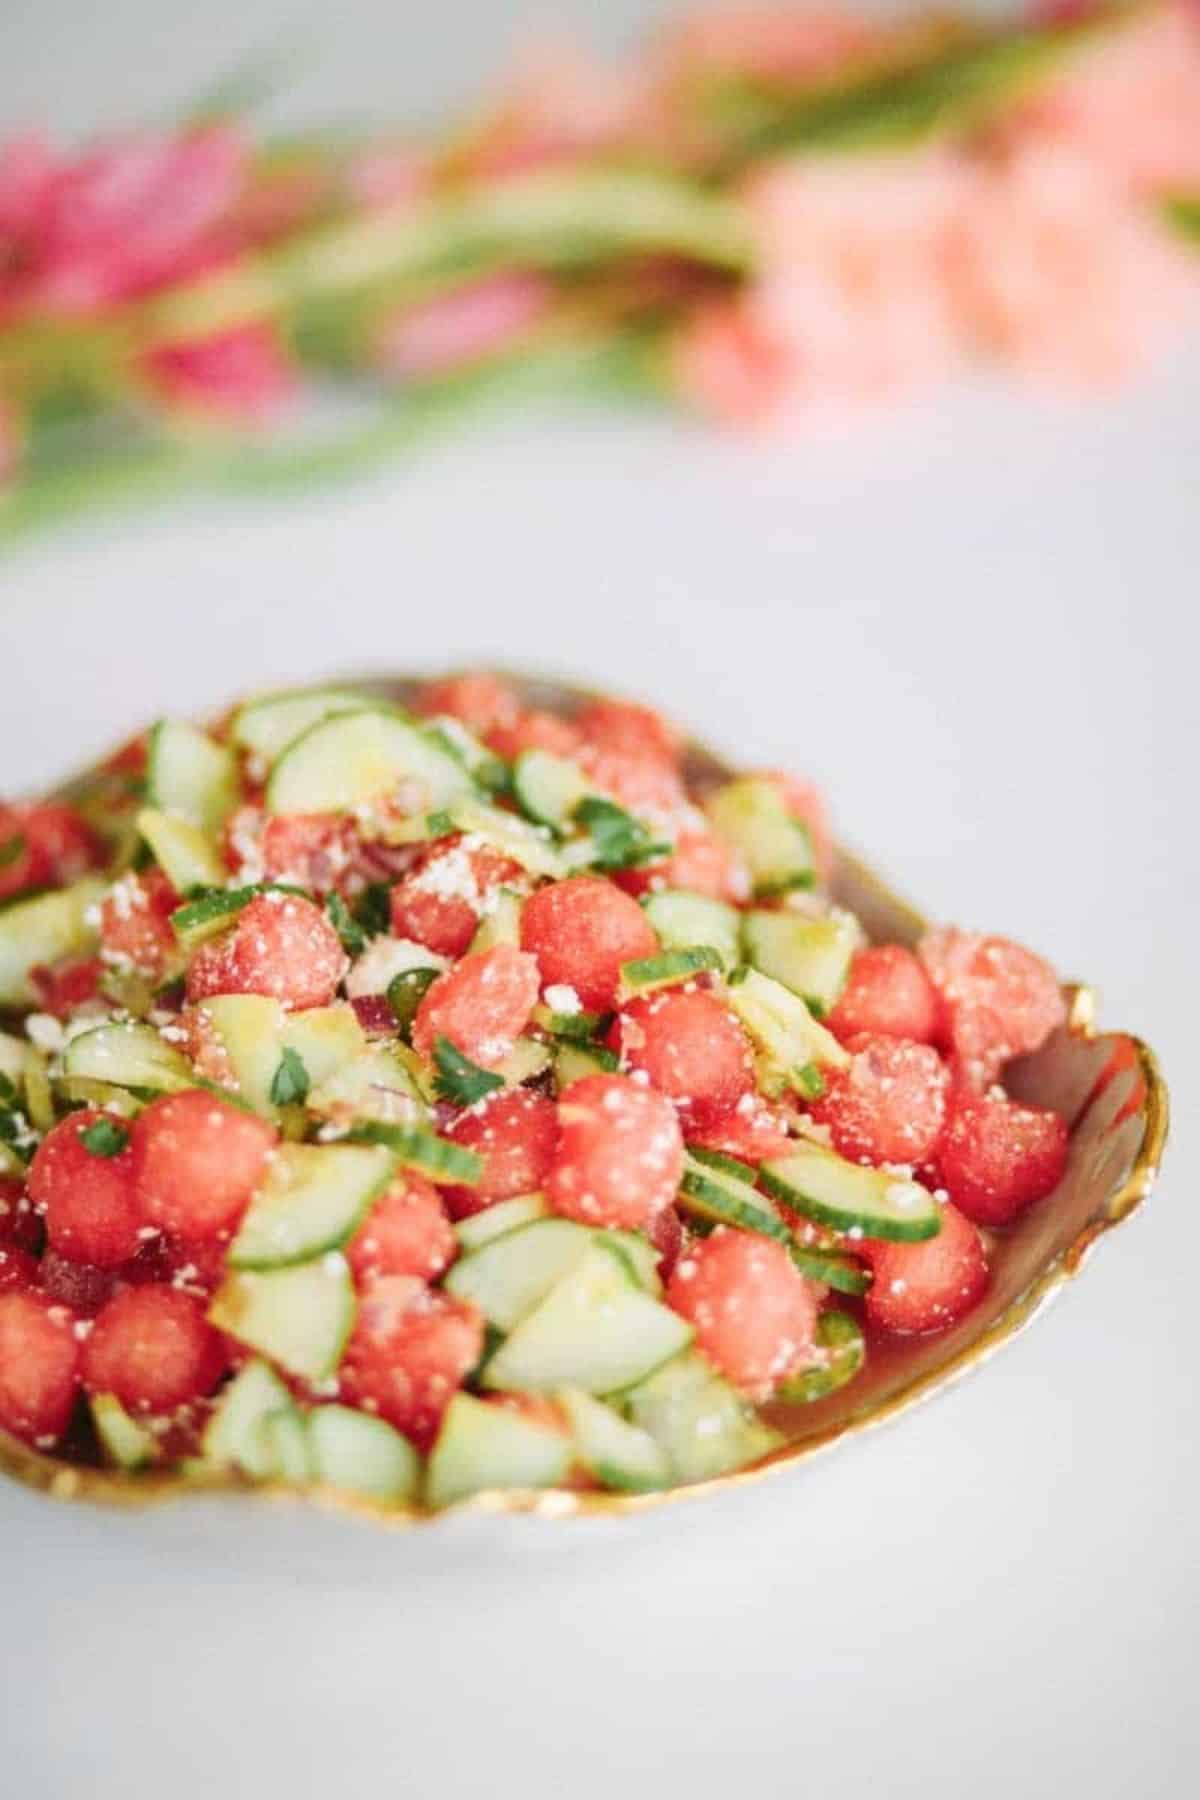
<point>723,1199</point>
<point>682,918</point>
<point>185,855</point>
<point>313,1199</point>
<point>124,1442</point>
<point>210,914</point>
<point>487,770</point>
<point>750,814</point>
<point>250,1029</point>
<point>825,1187</point>
<point>789,1039</point>
<point>299,1317</point>
<point>702,1425</point>
<point>494,1221</point>
<point>482,1446</point>
<point>619,1455</point>
<point>424,1151</point>
<point>528,1058</point>
<point>128,1056</point>
<point>190,775</point>
<point>809,956</point>
<point>42,930</point>
<point>267,725</point>
<point>576,1027</point>
<point>513,836</point>
<point>374,1086</point>
<point>573,1061</point>
<point>286,1439</point>
<point>841,1352</point>
<point>547,788</point>
<point>234,1434</point>
<point>667,969</point>
<point>724,1165</point>
<point>353,759</point>
<point>360,1455</point>
<point>501,924</point>
<point>325,1038</point>
<point>595,1330</point>
<point>507,1277</point>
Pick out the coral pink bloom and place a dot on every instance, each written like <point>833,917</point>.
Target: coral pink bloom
<point>473,322</point>
<point>388,174</point>
<point>557,103</point>
<point>788,42</point>
<point>1130,101</point>
<point>1065,274</point>
<point>241,374</point>
<point>729,364</point>
<point>126,217</point>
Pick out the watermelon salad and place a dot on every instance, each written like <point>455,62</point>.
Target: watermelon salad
<point>421,1101</point>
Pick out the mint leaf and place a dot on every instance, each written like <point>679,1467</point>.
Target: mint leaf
<point>104,1138</point>
<point>291,1084</point>
<point>459,1080</point>
<point>351,933</point>
<point>620,841</point>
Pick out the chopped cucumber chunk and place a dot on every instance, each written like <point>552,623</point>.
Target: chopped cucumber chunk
<point>809,956</point>
<point>595,1330</point>
<point>528,1058</point>
<point>361,1455</point>
<point>325,1038</point>
<point>667,969</point>
<point>124,1442</point>
<point>189,775</point>
<point>750,814</point>
<point>375,1085</point>
<point>703,1426</point>
<point>723,1199</point>
<point>42,930</point>
<point>619,1455</point>
<point>506,1215</point>
<point>507,1277</point>
<point>547,788</point>
<point>186,856</point>
<point>128,1056</point>
<point>249,1028</point>
<point>788,1037</point>
<point>313,1200</point>
<point>487,770</point>
<point>234,1434</point>
<point>482,1446</point>
<point>681,918</point>
<point>356,758</point>
<point>266,726</point>
<point>577,1027</point>
<point>573,1061</point>
<point>841,1352</point>
<point>501,924</point>
<point>209,914</point>
<point>286,1438</point>
<point>825,1187</point>
<point>300,1317</point>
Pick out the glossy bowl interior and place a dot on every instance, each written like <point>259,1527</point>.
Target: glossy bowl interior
<point>1107,1084</point>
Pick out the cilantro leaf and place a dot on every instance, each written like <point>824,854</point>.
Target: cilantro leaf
<point>354,938</point>
<point>291,1083</point>
<point>104,1138</point>
<point>459,1080</point>
<point>620,841</point>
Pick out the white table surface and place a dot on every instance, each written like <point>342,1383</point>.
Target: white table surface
<point>976,623</point>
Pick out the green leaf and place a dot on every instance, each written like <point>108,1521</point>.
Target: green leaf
<point>351,933</point>
<point>104,1138</point>
<point>373,908</point>
<point>12,850</point>
<point>620,841</point>
<point>459,1080</point>
<point>291,1083</point>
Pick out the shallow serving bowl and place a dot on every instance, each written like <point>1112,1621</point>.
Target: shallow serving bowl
<point>1107,1084</point>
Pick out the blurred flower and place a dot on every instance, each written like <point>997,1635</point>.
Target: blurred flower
<point>1057,270</point>
<point>10,445</point>
<point>456,329</point>
<point>241,375</point>
<point>557,103</point>
<point>782,42</point>
<point>388,174</point>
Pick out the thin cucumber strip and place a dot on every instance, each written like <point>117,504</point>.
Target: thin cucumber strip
<point>788,1038</point>
<point>124,1442</point>
<point>185,854</point>
<point>250,1029</point>
<point>721,1199</point>
<point>573,1061</point>
<point>424,1151</point>
<point>129,1056</point>
<point>751,815</point>
<point>849,1197</point>
<point>356,759</point>
<point>299,1317</point>
<point>190,775</point>
<point>501,924</point>
<point>506,1215</point>
<point>313,1200</point>
<point>483,1446</point>
<point>667,969</point>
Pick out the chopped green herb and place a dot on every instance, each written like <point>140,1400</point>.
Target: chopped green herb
<point>439,824</point>
<point>810,1081</point>
<point>354,938</point>
<point>459,1080</point>
<point>8,1093</point>
<point>406,992</point>
<point>104,1138</point>
<point>291,1083</point>
<point>620,841</point>
<point>815,1005</point>
<point>12,850</point>
<point>373,910</point>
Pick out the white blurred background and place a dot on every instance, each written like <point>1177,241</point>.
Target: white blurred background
<point>974,621</point>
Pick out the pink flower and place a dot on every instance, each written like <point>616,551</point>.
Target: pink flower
<point>1059,270</point>
<point>852,302</point>
<point>1130,101</point>
<point>557,103</point>
<point>388,174</point>
<point>465,326</point>
<point>240,375</point>
<point>118,221</point>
